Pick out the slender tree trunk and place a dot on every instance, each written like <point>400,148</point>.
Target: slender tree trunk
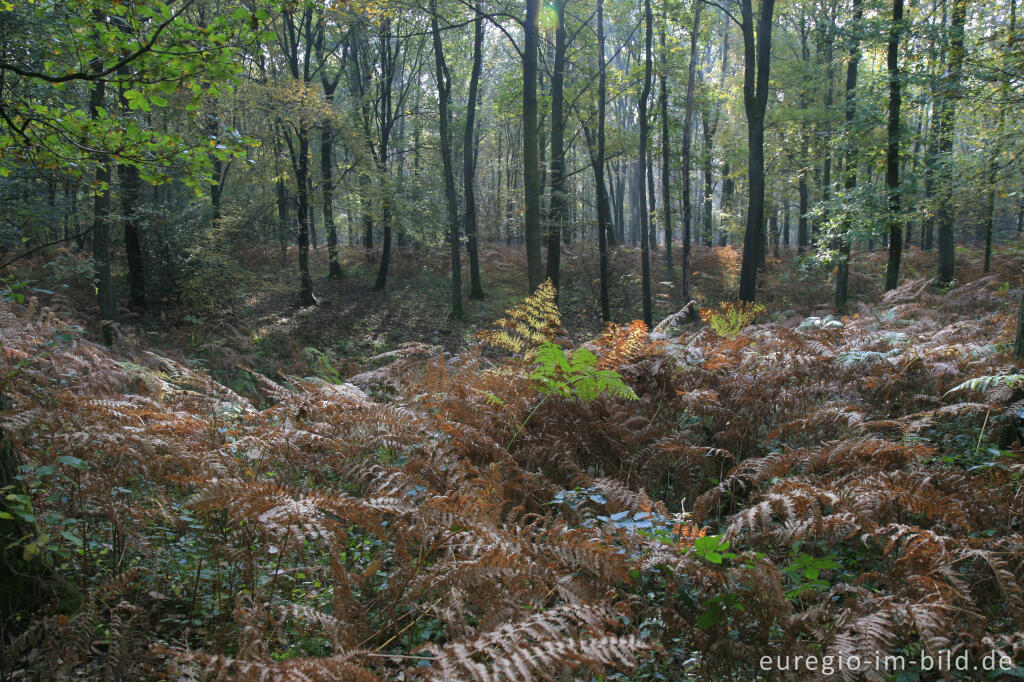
<point>645,217</point>
<point>928,226</point>
<point>993,176</point>
<point>892,157</point>
<point>558,200</point>
<point>327,179</point>
<point>531,164</point>
<point>282,199</point>
<point>843,267</point>
<point>366,206</point>
<point>950,93</point>
<point>666,154</point>
<point>301,177</point>
<point>785,223</point>
<point>756,62</point>
<point>728,188</point>
<point>101,220</point>
<point>451,201</point>
<point>604,227</point>
<point>469,149</point>
<point>386,211</point>
<point>131,192</point>
<point>709,191</point>
<point>687,138</point>
<point>131,197</point>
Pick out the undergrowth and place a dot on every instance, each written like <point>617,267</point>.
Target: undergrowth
<point>528,507</point>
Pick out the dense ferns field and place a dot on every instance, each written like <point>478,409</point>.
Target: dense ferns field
<point>703,501</point>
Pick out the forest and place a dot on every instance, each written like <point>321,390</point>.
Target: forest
<point>511,340</point>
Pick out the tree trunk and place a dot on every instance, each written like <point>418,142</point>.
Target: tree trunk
<point>531,165</point>
<point>993,175</point>
<point>101,228</point>
<point>604,226</point>
<point>131,194</point>
<point>645,217</point>
<point>666,155</point>
<point>469,149</point>
<point>327,179</point>
<point>950,93</point>
<point>728,188</point>
<point>687,138</point>
<point>301,177</point>
<point>559,203</point>
<point>444,89</point>
<point>843,266</point>
<point>892,156</point>
<point>756,62</point>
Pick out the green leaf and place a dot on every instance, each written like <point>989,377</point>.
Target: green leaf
<point>71,461</point>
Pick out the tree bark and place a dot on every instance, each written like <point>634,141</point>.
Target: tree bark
<point>892,156</point>
<point>302,213</point>
<point>687,138</point>
<point>645,217</point>
<point>531,165</point>
<point>131,195</point>
<point>444,89</point>
<point>843,266</point>
<point>469,148</point>
<point>950,93</point>
<point>666,154</point>
<point>756,62</point>
<point>604,226</point>
<point>728,188</point>
<point>993,175</point>
<point>101,221</point>
<point>558,200</point>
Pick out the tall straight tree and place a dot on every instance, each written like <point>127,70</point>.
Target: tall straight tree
<point>709,125</point>
<point>950,92</point>
<point>666,154</point>
<point>892,154</point>
<point>604,218</point>
<point>297,57</point>
<point>531,158</point>
<point>558,200</point>
<point>757,48</point>
<point>687,137</point>
<point>329,82</point>
<point>645,216</point>
<point>444,89</point>
<point>469,149</point>
<point>131,191</point>
<point>101,213</point>
<point>850,152</point>
<point>990,200</point>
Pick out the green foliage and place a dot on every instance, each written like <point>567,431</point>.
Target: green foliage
<point>575,375</point>
<point>730,318</point>
<point>984,383</point>
<point>713,549</point>
<point>323,367</point>
<point>47,539</point>
<point>155,53</point>
<point>804,573</point>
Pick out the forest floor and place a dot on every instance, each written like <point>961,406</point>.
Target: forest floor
<point>249,316</point>
<point>675,508</point>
